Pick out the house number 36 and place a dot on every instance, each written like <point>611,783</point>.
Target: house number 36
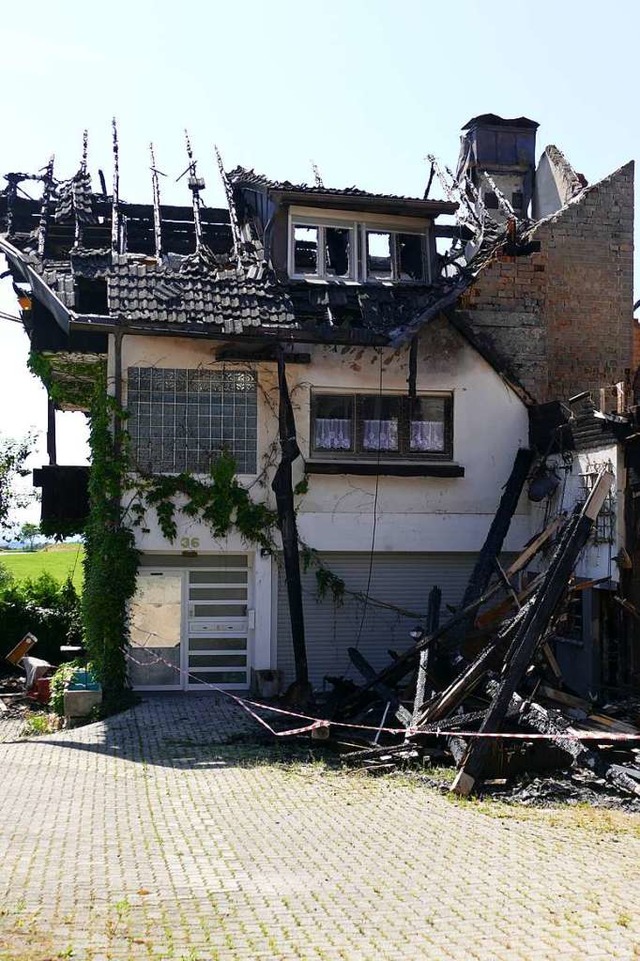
<point>190,543</point>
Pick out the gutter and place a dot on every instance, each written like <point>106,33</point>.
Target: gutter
<point>41,292</point>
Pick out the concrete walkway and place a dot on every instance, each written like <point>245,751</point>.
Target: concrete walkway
<point>147,837</point>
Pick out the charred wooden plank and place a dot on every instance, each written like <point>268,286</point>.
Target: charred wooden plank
<point>405,661</point>
<point>534,624</point>
<point>485,563</point>
<point>385,693</point>
<point>282,487</point>
<point>433,621</point>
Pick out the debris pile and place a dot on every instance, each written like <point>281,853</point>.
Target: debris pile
<point>483,688</point>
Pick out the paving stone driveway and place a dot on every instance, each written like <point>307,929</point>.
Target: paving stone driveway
<point>142,837</point>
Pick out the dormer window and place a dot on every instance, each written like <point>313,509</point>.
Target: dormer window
<point>329,246</point>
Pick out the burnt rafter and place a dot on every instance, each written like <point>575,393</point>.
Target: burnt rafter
<point>194,269</point>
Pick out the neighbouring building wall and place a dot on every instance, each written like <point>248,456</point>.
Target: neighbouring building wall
<point>556,182</point>
<point>597,559</point>
<point>562,317</point>
<point>589,641</point>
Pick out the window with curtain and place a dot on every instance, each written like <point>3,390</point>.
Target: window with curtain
<point>389,426</point>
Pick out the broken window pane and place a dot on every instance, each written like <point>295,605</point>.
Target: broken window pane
<point>337,251</point>
<point>333,427</point>
<point>305,249</point>
<point>426,427</point>
<point>379,263</point>
<point>380,416</point>
<point>410,258</point>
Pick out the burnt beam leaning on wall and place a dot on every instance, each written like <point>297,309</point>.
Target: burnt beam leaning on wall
<point>535,618</point>
<point>490,551</point>
<point>406,661</point>
<point>282,487</point>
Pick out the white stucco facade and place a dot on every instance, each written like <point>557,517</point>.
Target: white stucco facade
<point>424,515</point>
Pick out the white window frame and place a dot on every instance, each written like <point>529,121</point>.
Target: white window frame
<point>358,246</point>
<point>321,224</point>
<point>393,232</point>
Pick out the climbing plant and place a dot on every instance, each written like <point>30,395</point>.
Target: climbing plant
<point>220,502</point>
<point>111,558</point>
<point>71,382</point>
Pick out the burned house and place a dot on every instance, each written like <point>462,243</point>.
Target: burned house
<point>387,350</point>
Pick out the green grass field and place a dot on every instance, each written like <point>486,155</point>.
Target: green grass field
<point>60,560</point>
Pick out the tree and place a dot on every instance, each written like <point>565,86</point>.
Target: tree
<point>13,454</point>
<point>29,532</point>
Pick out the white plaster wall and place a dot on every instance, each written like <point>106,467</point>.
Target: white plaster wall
<point>507,184</point>
<point>596,560</point>
<point>413,513</point>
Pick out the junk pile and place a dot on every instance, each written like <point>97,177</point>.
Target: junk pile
<point>483,689</point>
<point>37,671</point>
<point>82,692</point>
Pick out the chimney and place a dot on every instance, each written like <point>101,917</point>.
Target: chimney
<point>506,150</point>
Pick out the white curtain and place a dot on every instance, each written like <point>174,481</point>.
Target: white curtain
<point>427,435</point>
<point>333,433</point>
<point>380,435</point>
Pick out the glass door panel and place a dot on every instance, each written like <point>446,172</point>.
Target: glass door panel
<point>155,617</point>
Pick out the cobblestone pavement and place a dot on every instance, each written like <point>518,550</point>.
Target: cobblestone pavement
<point>145,837</point>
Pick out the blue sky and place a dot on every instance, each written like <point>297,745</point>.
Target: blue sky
<point>364,89</point>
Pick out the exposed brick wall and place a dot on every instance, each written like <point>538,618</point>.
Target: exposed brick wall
<point>635,364</point>
<point>562,317</point>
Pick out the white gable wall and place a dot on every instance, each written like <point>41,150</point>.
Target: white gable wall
<point>414,513</point>
<point>433,526</point>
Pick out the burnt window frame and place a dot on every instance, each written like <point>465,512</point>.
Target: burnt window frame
<point>394,233</point>
<point>358,228</point>
<point>322,224</point>
<point>357,399</point>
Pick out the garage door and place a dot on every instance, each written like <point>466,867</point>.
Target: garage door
<point>399,580</point>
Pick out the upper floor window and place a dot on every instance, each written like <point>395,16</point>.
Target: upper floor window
<point>323,251</point>
<point>181,420</point>
<point>391,255</point>
<point>355,251</point>
<point>389,426</point>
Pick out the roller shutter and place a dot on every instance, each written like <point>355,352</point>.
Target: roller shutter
<point>400,580</point>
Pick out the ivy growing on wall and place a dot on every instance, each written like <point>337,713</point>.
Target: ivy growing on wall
<point>71,384</point>
<point>111,558</point>
<point>220,502</point>
<point>120,496</point>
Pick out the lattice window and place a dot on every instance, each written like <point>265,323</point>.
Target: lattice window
<point>604,529</point>
<point>181,420</point>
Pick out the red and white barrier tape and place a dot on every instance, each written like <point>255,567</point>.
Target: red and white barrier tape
<point>318,722</point>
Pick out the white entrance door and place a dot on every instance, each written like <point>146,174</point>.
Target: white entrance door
<point>220,622</point>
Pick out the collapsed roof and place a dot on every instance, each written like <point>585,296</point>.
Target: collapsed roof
<point>90,262</point>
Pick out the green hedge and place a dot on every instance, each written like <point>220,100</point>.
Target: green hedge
<point>42,606</point>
